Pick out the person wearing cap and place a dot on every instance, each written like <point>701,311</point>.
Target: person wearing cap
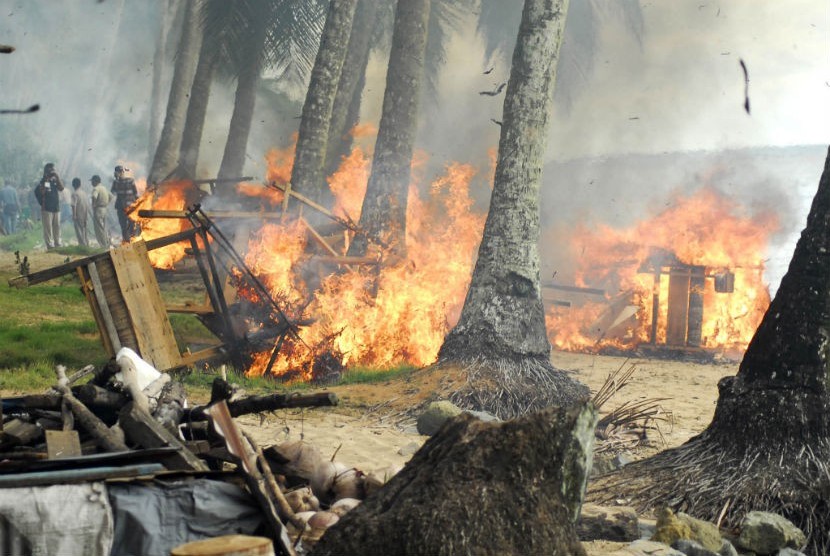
<point>80,213</point>
<point>48,194</point>
<point>101,198</point>
<point>126,194</point>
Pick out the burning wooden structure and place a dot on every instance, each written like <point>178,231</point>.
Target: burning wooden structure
<point>126,301</point>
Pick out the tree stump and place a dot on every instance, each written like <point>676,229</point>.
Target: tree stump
<point>513,487</point>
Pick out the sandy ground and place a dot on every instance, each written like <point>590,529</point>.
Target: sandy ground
<point>372,430</point>
<point>372,427</point>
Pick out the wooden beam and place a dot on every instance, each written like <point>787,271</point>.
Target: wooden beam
<point>60,270</point>
<point>140,427</point>
<point>151,213</point>
<point>373,261</point>
<point>113,341</point>
<point>320,239</point>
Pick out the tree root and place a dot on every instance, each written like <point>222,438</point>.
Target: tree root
<point>510,388</point>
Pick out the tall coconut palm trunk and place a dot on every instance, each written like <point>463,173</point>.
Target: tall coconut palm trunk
<point>197,110</point>
<point>501,337</point>
<point>383,216</point>
<point>768,445</point>
<point>233,159</point>
<point>167,11</point>
<point>167,152</point>
<point>307,174</point>
<point>345,113</point>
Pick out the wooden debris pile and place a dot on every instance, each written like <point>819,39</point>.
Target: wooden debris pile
<point>128,420</point>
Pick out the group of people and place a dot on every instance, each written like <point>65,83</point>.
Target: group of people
<point>48,195</point>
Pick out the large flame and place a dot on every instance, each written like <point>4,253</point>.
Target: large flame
<point>170,196</point>
<point>375,315</point>
<point>705,230</point>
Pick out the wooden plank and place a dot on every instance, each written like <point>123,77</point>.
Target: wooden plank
<point>678,313</point>
<point>112,341</point>
<point>189,359</point>
<point>190,309</point>
<point>117,305</point>
<point>62,444</point>
<point>138,285</point>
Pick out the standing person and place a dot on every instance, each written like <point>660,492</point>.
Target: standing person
<point>11,208</point>
<point>48,194</point>
<point>101,199</point>
<point>80,213</point>
<point>126,194</point>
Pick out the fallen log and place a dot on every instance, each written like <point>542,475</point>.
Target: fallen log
<point>260,404</point>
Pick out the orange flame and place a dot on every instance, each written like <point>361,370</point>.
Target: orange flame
<point>376,315</point>
<point>705,230</point>
<point>170,196</point>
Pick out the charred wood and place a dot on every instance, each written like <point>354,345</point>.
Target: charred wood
<point>260,404</point>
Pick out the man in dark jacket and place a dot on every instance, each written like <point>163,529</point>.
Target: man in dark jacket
<point>126,194</point>
<point>48,194</point>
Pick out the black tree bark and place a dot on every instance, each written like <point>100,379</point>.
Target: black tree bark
<point>345,113</point>
<point>167,150</point>
<point>196,111</point>
<point>480,488</point>
<point>233,159</point>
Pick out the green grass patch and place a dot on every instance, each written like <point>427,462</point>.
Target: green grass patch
<point>74,344</point>
<point>57,300</point>
<point>24,240</point>
<point>31,377</point>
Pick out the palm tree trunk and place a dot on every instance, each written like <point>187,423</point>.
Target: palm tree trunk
<point>383,215</point>
<point>167,152</point>
<point>196,112</point>
<point>307,175</point>
<point>346,111</point>
<point>233,159</point>
<point>167,13</point>
<point>503,314</point>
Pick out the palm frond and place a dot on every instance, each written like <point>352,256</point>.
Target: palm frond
<point>445,18</point>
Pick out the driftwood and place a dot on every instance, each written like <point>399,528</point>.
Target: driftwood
<point>260,404</point>
<point>480,488</point>
<point>141,429</point>
<point>170,408</point>
<point>106,438</point>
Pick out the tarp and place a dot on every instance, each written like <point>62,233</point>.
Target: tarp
<point>136,518</point>
<point>58,519</point>
<point>154,518</point>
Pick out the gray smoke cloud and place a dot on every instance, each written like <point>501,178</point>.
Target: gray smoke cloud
<point>658,110</point>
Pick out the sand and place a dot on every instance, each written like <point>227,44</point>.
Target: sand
<point>372,429</point>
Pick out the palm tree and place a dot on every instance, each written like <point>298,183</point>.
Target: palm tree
<point>500,339</point>
<point>258,34</point>
<point>197,107</point>
<point>307,173</point>
<point>346,110</point>
<point>498,20</point>
<point>383,216</point>
<point>166,155</point>
<point>166,12</point>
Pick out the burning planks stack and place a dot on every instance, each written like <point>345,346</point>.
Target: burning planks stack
<point>129,422</point>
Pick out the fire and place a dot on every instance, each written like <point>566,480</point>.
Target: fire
<point>686,255</point>
<point>374,315</point>
<point>170,196</point>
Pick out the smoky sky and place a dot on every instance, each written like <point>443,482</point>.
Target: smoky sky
<point>619,146</point>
